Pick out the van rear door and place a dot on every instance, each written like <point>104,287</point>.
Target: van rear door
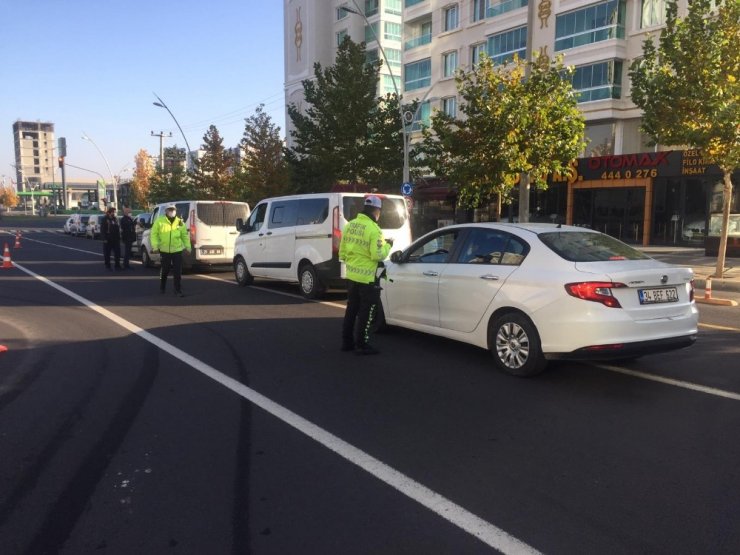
<point>213,230</point>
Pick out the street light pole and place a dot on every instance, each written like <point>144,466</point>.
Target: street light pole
<point>107,165</point>
<point>161,104</point>
<point>405,135</point>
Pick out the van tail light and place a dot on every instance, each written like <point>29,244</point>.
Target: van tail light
<point>596,291</point>
<point>336,233</point>
<point>191,219</point>
<point>691,291</point>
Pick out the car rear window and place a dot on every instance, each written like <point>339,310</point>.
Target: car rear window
<point>392,216</point>
<point>222,213</point>
<point>584,246</point>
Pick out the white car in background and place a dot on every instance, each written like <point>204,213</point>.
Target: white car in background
<point>68,225</point>
<point>533,292</point>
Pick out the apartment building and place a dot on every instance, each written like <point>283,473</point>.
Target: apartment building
<point>639,193</point>
<point>35,158</point>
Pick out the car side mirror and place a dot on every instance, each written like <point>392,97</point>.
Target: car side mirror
<point>397,257</point>
<point>239,224</point>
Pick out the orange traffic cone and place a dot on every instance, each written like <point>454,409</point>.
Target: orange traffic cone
<point>6,258</point>
<point>17,240</point>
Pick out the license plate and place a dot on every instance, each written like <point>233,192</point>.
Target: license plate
<point>211,251</point>
<point>652,296</point>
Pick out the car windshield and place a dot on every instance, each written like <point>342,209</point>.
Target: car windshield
<point>85,219</point>
<point>585,246</point>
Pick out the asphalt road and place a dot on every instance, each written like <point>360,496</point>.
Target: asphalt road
<point>230,422</point>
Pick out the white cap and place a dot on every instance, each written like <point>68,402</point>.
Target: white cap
<point>170,207</point>
<point>374,201</point>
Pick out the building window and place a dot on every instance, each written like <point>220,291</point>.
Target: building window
<point>503,46</point>
<point>653,13</point>
<point>598,81</point>
<point>389,86</point>
<point>424,36</point>
<point>341,14</point>
<point>392,31</point>
<point>371,56</point>
<point>417,75</point>
<point>594,23</point>
<point>475,51</point>
<point>497,8</point>
<point>449,106</point>
<point>341,36</point>
<point>449,64</point>
<point>394,57</point>
<point>423,116</point>
<point>479,10</point>
<point>409,3</point>
<point>451,18</point>
<point>371,32</point>
<point>371,7</point>
<point>393,7</point>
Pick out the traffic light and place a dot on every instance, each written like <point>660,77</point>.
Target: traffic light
<point>61,161</point>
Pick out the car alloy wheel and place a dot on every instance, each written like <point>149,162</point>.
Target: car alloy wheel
<point>515,345</point>
<point>241,272</point>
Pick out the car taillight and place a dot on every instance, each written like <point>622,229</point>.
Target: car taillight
<point>597,291</point>
<point>192,228</point>
<point>336,233</point>
<point>691,291</point>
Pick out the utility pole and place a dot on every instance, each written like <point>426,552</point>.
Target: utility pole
<point>161,136</point>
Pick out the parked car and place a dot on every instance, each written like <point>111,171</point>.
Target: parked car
<point>141,223</point>
<point>79,224</point>
<point>534,292</point>
<point>92,230</point>
<point>212,232</point>
<point>296,238</point>
<point>68,225</point>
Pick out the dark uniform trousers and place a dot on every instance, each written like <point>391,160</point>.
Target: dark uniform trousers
<point>362,301</point>
<point>171,261</point>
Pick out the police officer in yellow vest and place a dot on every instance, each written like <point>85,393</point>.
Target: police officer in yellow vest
<point>170,237</point>
<point>361,249</point>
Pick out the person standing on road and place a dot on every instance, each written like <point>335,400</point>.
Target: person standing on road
<point>128,236</point>
<point>361,249</point>
<point>110,232</point>
<point>170,238</point>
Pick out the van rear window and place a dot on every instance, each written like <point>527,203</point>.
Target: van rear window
<point>221,213</point>
<point>392,216</point>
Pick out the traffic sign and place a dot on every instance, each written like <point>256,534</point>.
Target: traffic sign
<point>407,189</point>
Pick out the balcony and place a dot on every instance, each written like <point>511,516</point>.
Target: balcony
<point>417,41</point>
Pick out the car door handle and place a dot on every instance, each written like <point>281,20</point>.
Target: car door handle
<point>489,277</point>
<point>430,273</point>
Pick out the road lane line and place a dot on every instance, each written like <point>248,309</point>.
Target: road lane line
<point>671,381</point>
<point>721,328</point>
<point>462,518</point>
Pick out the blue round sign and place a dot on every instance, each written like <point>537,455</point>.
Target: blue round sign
<point>407,189</point>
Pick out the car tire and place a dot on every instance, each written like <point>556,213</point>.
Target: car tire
<point>146,259</point>
<point>241,272</point>
<point>309,283</point>
<point>515,345</point>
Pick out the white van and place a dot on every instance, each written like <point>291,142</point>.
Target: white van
<point>211,227</point>
<point>296,238</point>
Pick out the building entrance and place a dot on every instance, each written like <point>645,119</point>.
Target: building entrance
<point>618,212</point>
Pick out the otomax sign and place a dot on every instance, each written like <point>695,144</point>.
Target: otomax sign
<point>672,163</point>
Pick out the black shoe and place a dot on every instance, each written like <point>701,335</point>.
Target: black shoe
<point>348,347</point>
<point>366,350</point>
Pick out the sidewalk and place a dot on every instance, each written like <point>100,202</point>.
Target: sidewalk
<point>704,266</point>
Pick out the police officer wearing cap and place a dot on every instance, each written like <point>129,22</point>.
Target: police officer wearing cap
<point>361,249</point>
<point>170,238</point>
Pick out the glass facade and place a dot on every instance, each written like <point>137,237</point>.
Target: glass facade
<point>393,7</point>
<point>598,81</point>
<point>588,25</point>
<point>409,3</point>
<point>392,31</point>
<point>497,8</point>
<point>417,75</point>
<point>371,7</point>
<point>503,46</point>
<point>371,32</point>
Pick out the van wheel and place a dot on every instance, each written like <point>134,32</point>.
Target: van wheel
<point>241,272</point>
<point>515,344</point>
<point>311,287</point>
<point>145,258</point>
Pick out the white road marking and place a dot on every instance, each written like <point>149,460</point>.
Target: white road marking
<point>721,328</point>
<point>443,507</point>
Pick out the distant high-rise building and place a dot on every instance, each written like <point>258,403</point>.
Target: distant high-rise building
<point>34,153</point>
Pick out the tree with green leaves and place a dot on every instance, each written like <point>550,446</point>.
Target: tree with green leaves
<point>170,185</point>
<point>263,171</point>
<point>212,174</point>
<point>689,89</point>
<point>345,134</point>
<point>518,118</point>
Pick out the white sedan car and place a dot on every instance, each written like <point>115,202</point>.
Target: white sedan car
<point>68,225</point>
<point>533,292</point>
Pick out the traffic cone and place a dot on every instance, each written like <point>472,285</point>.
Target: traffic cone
<point>17,240</point>
<point>708,288</point>
<point>6,258</point>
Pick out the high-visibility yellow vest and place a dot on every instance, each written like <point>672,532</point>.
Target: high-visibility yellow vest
<point>170,236</point>
<point>361,249</point>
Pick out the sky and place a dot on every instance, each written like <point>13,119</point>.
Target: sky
<point>94,66</point>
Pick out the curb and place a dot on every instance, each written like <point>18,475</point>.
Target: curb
<point>730,286</point>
